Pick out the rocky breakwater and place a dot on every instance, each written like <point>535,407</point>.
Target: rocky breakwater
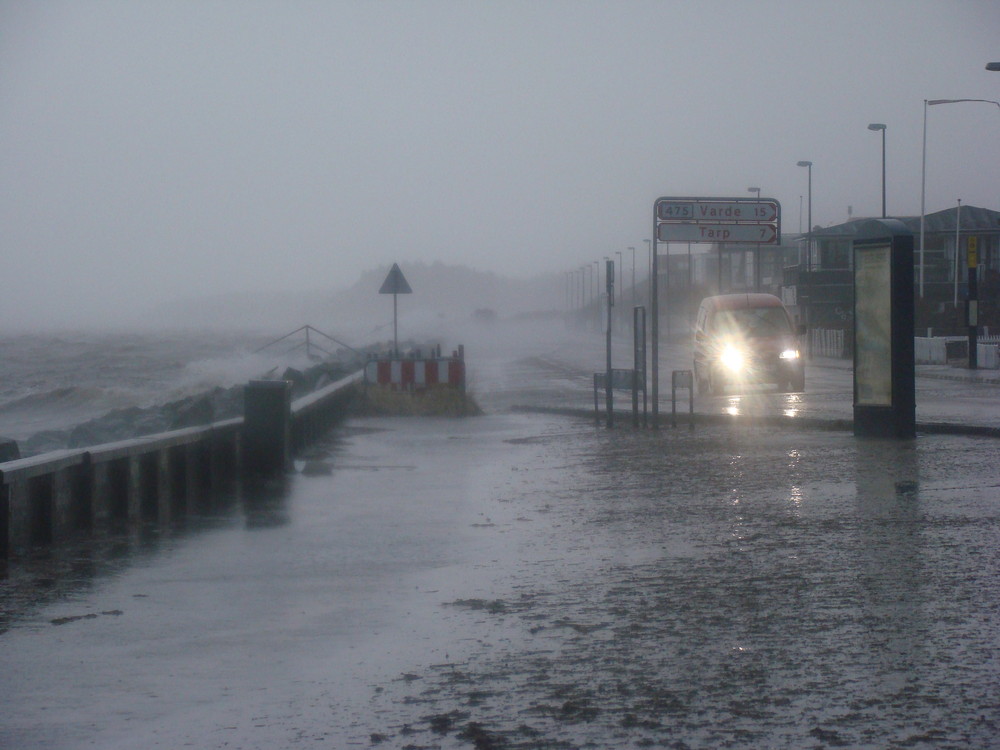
<point>130,422</point>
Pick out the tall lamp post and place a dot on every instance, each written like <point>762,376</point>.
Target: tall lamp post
<point>881,126</point>
<point>649,270</point>
<point>958,225</point>
<point>620,282</point>
<point>633,276</point>
<point>809,214</point>
<point>596,292</point>
<point>923,171</point>
<point>756,249</point>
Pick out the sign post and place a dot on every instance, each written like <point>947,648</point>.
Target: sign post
<point>639,364</point>
<point>754,221</point>
<point>884,372</point>
<point>395,283</point>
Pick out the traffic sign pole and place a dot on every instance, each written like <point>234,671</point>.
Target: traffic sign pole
<point>395,284</point>
<point>749,221</point>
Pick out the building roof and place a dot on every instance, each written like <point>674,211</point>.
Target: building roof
<point>973,219</point>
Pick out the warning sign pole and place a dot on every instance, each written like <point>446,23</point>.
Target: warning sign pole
<point>395,284</point>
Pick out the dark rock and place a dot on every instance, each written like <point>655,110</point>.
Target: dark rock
<point>44,442</point>
<point>90,433</point>
<point>193,412</point>
<point>300,383</point>
<point>119,424</point>
<point>9,450</point>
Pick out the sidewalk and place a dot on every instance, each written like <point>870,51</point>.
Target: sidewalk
<point>938,372</point>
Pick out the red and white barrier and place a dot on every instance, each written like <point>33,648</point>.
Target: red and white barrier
<point>416,374</point>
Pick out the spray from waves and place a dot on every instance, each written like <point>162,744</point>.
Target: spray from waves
<point>53,382</point>
<point>228,371</point>
<point>52,389</point>
<point>58,408</point>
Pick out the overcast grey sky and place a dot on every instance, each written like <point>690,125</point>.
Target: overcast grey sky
<point>151,149</point>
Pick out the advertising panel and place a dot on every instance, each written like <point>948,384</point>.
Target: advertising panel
<point>873,325</point>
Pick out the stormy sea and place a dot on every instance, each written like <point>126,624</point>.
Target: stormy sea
<point>71,389</point>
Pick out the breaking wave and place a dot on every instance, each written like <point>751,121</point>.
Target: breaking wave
<point>63,398</point>
<point>58,392</point>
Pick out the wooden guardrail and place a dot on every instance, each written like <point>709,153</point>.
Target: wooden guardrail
<point>53,497</point>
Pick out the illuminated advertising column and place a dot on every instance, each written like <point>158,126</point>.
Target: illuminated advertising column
<point>884,392</point>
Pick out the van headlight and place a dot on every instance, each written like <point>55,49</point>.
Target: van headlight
<point>788,354</point>
<point>732,358</point>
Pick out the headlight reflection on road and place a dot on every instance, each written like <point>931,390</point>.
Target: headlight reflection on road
<point>792,403</point>
<point>733,409</point>
<point>795,493</point>
<point>795,497</point>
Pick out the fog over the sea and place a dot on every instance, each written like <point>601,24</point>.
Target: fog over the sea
<point>166,149</point>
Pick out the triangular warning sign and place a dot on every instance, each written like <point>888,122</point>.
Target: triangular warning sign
<point>395,282</point>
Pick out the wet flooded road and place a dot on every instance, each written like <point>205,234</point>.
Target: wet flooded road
<point>530,581</point>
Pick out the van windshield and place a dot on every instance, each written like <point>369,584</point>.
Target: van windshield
<point>751,322</point>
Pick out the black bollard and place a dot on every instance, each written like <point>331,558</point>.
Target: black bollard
<point>267,426</point>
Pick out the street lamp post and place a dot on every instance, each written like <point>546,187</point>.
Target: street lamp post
<point>923,172</point>
<point>756,249</point>
<point>649,270</point>
<point>596,291</point>
<point>881,126</point>
<point>633,276</point>
<point>690,290</point>
<point>809,214</point>
<point>620,282</point>
<point>809,219</point>
<point>958,224</point>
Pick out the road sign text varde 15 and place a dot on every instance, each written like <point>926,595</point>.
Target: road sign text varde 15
<point>708,210</point>
<point>703,232</point>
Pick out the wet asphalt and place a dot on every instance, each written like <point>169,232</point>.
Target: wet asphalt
<point>528,580</point>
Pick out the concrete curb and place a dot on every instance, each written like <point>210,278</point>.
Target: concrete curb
<point>624,419</point>
<point>984,377</point>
